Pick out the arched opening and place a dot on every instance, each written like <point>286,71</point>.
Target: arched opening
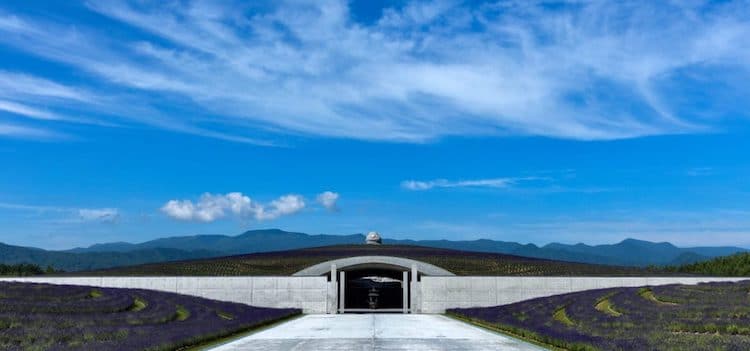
<point>375,289</point>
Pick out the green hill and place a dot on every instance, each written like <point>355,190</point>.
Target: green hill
<point>737,265</point>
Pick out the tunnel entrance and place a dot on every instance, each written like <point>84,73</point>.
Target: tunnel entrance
<point>374,290</point>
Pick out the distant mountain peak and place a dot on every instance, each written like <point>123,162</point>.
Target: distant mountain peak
<point>631,241</point>
<point>634,241</point>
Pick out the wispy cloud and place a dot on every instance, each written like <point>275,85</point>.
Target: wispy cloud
<point>473,183</point>
<point>581,70</point>
<point>102,215</point>
<point>27,111</point>
<point>19,131</point>
<point>99,214</point>
<point>700,171</point>
<point>15,84</point>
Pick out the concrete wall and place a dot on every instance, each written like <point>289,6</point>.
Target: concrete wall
<point>317,295</point>
<point>440,293</point>
<point>308,293</point>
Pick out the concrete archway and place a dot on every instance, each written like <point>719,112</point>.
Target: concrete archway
<point>373,283</point>
<point>387,262</point>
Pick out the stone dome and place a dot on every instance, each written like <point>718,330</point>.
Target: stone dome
<point>373,238</point>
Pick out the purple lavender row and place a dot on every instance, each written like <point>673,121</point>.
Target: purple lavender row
<point>60,317</point>
<point>713,316</point>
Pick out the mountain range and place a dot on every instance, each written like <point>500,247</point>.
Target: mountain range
<point>629,252</point>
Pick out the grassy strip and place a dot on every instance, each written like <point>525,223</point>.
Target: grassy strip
<point>561,316</point>
<point>181,314</point>
<point>711,329</point>
<point>138,305</point>
<point>522,334</point>
<point>214,342</point>
<point>605,305</point>
<point>648,294</point>
<point>224,315</point>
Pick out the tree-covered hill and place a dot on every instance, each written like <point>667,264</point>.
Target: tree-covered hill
<point>737,265</point>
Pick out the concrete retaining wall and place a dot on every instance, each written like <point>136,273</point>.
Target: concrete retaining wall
<point>440,293</point>
<point>307,293</point>
<point>317,295</point>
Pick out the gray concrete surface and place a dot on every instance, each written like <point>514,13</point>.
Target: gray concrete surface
<point>376,332</point>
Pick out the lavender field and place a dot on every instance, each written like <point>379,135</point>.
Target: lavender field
<point>712,316</point>
<point>63,317</point>
<point>455,261</point>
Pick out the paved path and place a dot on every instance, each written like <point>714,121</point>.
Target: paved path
<point>363,332</point>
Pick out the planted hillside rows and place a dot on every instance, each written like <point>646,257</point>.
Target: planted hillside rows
<point>63,317</point>
<point>458,262</point>
<point>712,316</point>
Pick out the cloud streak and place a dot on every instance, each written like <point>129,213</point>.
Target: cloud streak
<point>418,185</point>
<point>100,215</point>
<point>25,132</point>
<point>429,69</point>
<point>107,215</point>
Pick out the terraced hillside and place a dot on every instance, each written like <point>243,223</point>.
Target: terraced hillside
<point>63,317</point>
<point>289,262</point>
<point>710,316</point>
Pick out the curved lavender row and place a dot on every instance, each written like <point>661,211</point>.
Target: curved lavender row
<point>712,316</point>
<point>105,303</point>
<point>51,292</point>
<point>63,317</point>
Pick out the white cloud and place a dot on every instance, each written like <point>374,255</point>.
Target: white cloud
<point>586,70</point>
<point>211,207</point>
<point>107,215</point>
<point>478,183</point>
<point>328,199</point>
<point>285,205</point>
<point>179,209</point>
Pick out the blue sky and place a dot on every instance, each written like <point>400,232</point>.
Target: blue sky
<point>530,121</point>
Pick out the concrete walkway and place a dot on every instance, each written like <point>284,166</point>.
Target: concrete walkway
<point>364,332</point>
